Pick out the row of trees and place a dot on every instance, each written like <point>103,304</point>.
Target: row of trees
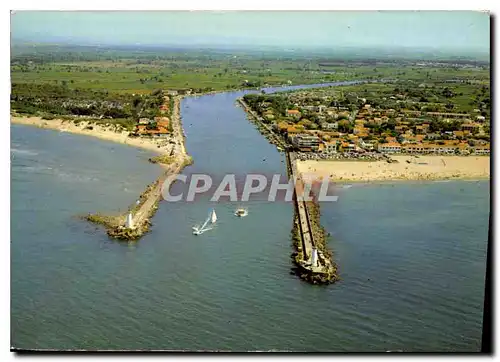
<point>278,103</point>
<point>55,99</point>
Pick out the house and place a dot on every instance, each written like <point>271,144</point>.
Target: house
<point>281,127</point>
<point>470,127</point>
<point>366,145</point>
<point>482,150</point>
<point>440,149</point>
<point>162,122</point>
<point>293,113</point>
<point>480,119</point>
<point>449,115</point>
<point>359,130</point>
<point>413,148</point>
<point>463,148</point>
<point>330,147</point>
<point>419,130</point>
<point>159,132</point>
<point>140,128</point>
<point>330,125</point>
<point>305,142</point>
<point>172,92</point>
<point>391,147</point>
<point>348,147</point>
<point>144,121</point>
<point>407,138</point>
<point>427,148</point>
<point>435,136</point>
<point>268,115</point>
<point>400,128</point>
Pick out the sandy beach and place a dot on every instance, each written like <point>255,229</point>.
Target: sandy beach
<point>99,131</point>
<point>419,168</point>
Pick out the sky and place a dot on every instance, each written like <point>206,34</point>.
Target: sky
<point>455,30</point>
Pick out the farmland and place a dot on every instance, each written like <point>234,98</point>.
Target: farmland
<point>43,76</point>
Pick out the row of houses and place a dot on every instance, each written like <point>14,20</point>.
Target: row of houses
<point>308,142</point>
<point>433,148</point>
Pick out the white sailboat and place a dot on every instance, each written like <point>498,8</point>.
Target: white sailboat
<point>212,218</point>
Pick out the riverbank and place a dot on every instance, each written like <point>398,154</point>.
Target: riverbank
<point>406,168</point>
<point>107,133</point>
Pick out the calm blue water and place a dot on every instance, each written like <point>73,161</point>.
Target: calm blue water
<point>411,256</point>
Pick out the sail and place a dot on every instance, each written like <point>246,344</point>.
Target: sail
<point>205,224</point>
<point>214,217</point>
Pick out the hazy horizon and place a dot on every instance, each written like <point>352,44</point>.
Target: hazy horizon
<point>461,31</point>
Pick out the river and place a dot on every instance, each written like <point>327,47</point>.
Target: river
<point>411,255</point>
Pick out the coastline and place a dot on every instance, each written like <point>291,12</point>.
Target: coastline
<point>143,211</point>
<point>421,168</point>
<point>99,131</point>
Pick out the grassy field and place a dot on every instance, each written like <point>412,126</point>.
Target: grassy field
<point>51,80</point>
<point>129,77</point>
<point>141,71</point>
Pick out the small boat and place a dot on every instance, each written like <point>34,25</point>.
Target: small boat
<point>212,218</point>
<point>241,212</point>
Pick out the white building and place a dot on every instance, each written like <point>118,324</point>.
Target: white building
<point>331,147</point>
<point>366,145</point>
<point>330,125</point>
<point>390,147</point>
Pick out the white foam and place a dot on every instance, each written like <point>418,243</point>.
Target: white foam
<point>23,152</point>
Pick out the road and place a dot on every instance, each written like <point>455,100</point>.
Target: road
<point>306,233</point>
<point>146,209</point>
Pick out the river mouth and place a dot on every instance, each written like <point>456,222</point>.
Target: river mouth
<point>230,288</point>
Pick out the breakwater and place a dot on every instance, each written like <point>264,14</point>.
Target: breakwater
<point>136,221</point>
<point>312,258</point>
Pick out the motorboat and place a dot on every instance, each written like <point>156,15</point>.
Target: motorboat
<point>241,212</point>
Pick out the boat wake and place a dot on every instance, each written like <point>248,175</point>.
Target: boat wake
<point>212,218</point>
<point>241,212</point>
<point>23,152</point>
